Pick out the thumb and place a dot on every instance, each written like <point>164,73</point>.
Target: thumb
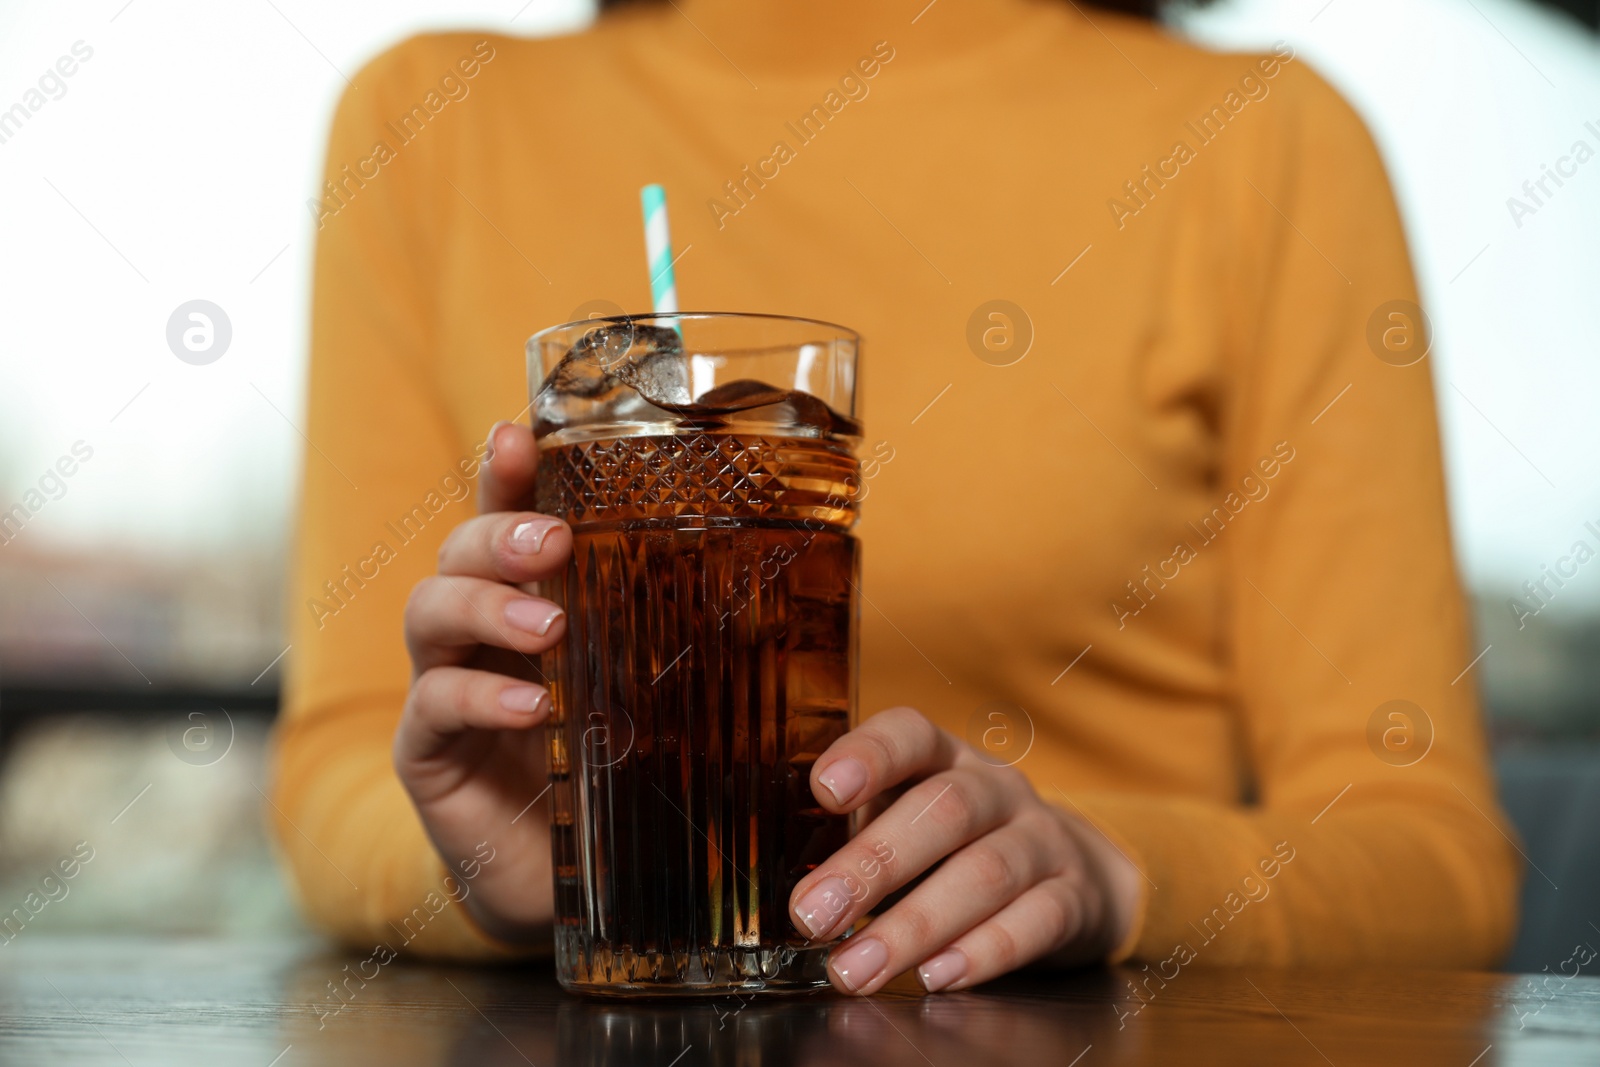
<point>505,482</point>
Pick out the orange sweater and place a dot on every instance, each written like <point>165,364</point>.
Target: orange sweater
<point>1189,544</point>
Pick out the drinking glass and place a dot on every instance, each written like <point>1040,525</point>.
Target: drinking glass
<point>706,464</point>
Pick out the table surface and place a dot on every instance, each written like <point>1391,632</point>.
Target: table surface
<point>128,1002</point>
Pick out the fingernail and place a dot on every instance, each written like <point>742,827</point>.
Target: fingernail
<point>528,537</point>
<point>860,961</point>
<point>819,910</point>
<point>527,698</point>
<point>844,779</point>
<point>488,452</point>
<point>535,616</point>
<point>943,969</point>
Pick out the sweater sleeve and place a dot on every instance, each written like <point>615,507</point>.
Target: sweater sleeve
<point>386,475</point>
<point>1374,834</point>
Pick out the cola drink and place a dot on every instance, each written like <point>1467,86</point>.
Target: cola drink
<point>710,650</point>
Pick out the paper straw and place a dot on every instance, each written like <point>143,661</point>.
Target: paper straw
<point>658,249</point>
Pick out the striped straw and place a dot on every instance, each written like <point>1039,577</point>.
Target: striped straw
<point>658,248</point>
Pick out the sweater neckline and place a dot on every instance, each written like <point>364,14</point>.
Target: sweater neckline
<point>665,38</point>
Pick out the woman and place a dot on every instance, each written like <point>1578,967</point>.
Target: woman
<point>1165,511</point>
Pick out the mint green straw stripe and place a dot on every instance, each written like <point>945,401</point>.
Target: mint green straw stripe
<point>661,270</point>
<point>658,249</point>
<point>654,198</point>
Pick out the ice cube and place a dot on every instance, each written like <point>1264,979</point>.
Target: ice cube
<point>791,407</point>
<point>623,367</point>
<point>607,345</point>
<point>739,395</point>
<point>655,366</point>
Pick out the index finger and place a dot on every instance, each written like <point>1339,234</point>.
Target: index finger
<point>505,481</point>
<point>511,546</point>
<point>891,747</point>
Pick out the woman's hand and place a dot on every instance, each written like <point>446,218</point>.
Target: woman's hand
<point>465,748</point>
<point>1016,880</point>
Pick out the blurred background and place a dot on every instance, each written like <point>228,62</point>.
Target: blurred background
<point>146,500</point>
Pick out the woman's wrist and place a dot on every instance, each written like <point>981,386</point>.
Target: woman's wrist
<point>1120,888</point>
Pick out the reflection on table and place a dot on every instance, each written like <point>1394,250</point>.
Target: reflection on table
<point>132,1002</point>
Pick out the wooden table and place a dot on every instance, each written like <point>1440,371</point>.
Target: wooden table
<point>131,1002</point>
